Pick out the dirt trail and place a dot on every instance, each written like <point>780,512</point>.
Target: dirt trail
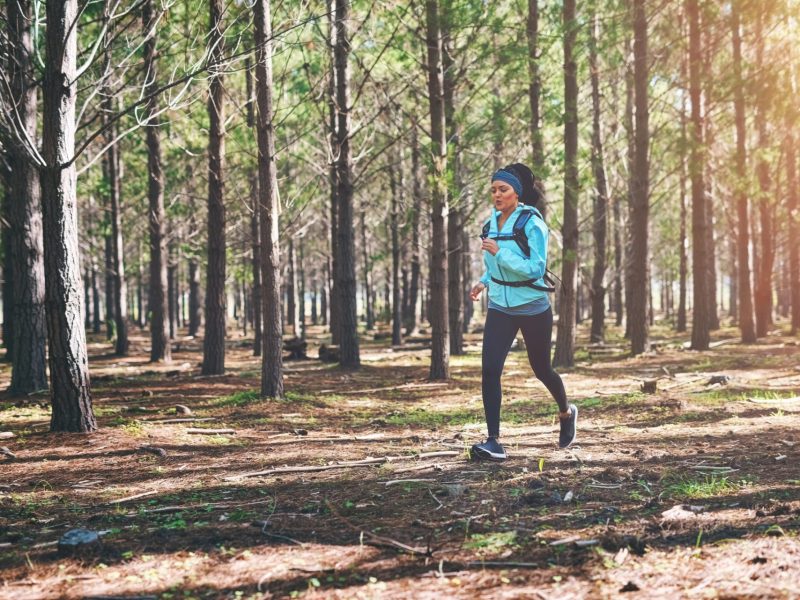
<point>692,492</point>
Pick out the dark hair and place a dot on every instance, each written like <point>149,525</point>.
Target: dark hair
<point>532,189</point>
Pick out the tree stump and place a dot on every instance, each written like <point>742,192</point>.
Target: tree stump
<point>297,348</point>
<point>329,353</point>
<point>650,386</point>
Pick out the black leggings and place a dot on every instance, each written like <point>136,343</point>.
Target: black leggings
<point>498,335</point>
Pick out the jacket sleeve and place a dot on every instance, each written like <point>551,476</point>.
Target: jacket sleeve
<point>486,278</point>
<point>527,268</point>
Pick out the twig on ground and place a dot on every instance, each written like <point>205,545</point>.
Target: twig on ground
<point>342,465</point>
<point>183,420</point>
<point>210,431</point>
<point>435,499</point>
<point>399,481</point>
<point>501,565</point>
<point>404,386</point>
<point>134,497</point>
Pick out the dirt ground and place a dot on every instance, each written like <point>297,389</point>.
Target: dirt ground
<point>689,492</point>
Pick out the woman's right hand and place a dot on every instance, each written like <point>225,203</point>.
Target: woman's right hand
<point>475,293</point>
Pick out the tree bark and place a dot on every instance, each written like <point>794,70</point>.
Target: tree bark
<point>24,210</point>
<point>600,198</point>
<point>291,288</point>
<point>763,291</point>
<point>700,313</point>
<point>640,193</point>
<point>366,279</point>
<point>793,218</point>
<point>746,322</point>
<point>301,308</point>
<point>455,217</point>
<point>349,356</point>
<point>214,339</point>
<point>534,88</point>
<point>396,175</point>
<point>120,286</point>
<point>159,341</point>
<point>272,357</point>
<point>68,359</point>
<point>683,258</point>
<point>416,207</point>
<point>438,309</point>
<point>565,338</point>
<point>333,144</point>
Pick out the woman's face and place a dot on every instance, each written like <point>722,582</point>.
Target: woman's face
<point>504,197</point>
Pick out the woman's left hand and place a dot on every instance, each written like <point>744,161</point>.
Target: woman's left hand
<point>490,246</point>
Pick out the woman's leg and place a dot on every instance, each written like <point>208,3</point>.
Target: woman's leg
<point>537,331</point>
<point>498,335</point>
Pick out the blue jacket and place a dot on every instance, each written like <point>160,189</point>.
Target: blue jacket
<point>510,264</point>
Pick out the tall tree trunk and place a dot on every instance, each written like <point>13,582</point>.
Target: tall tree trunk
<point>455,217</point>
<point>255,231</point>
<point>466,273</point>
<point>534,88</point>
<point>438,309</point>
<point>172,293</point>
<point>640,193</point>
<point>24,211</point>
<point>314,300</point>
<point>68,359</point>
<point>349,356</point>
<point>396,175</point>
<point>255,242</point>
<point>108,265</point>
<point>291,288</point>
<point>323,299</point>
<point>683,259</point>
<point>120,286</point>
<point>618,308</point>
<point>416,207</point>
<point>301,309</point>
<point>96,307</point>
<point>214,339</point>
<point>8,288</point>
<point>600,198</point>
<point>708,141</point>
<point>565,338</point>
<point>272,358</point>
<point>763,292</point>
<point>630,159</point>
<point>700,314</point>
<point>793,218</point>
<point>369,305</point>
<point>160,347</point>
<point>334,304</point>
<point>746,322</point>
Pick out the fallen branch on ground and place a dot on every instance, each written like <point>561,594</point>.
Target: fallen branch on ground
<point>134,497</point>
<point>385,389</point>
<point>210,431</point>
<point>343,465</point>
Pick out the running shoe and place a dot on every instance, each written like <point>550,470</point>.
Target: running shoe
<point>569,427</point>
<point>491,449</point>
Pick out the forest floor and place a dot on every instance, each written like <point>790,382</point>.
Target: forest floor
<point>689,492</point>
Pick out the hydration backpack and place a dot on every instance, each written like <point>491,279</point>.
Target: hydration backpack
<point>520,237</point>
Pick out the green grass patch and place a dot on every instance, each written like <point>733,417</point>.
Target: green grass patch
<point>492,543</point>
<point>708,486</point>
<point>238,398</point>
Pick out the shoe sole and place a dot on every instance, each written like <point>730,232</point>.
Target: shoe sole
<point>483,455</point>
<point>575,435</point>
